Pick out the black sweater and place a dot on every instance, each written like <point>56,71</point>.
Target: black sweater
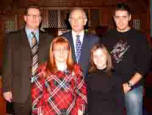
<point>105,95</point>
<point>130,52</point>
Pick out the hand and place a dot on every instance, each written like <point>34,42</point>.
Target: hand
<point>126,88</point>
<point>80,112</point>
<point>8,96</point>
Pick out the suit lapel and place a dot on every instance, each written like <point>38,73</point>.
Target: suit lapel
<point>25,42</point>
<point>40,52</point>
<point>72,46</point>
<point>83,48</point>
<point>25,48</point>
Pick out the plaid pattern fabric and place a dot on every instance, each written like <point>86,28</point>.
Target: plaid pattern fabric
<point>78,48</point>
<point>62,93</point>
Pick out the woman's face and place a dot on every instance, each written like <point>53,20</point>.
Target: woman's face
<point>60,53</point>
<point>100,58</point>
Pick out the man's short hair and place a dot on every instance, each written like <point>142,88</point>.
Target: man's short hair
<point>122,6</point>
<point>31,6</point>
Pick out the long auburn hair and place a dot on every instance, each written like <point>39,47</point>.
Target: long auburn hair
<point>51,65</point>
<point>93,67</point>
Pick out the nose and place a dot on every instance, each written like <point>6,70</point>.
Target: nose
<point>61,52</point>
<point>75,21</point>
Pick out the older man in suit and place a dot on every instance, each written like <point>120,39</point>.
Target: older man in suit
<point>24,51</point>
<point>80,41</point>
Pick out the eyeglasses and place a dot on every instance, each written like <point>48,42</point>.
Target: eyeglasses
<point>33,16</point>
<point>61,49</point>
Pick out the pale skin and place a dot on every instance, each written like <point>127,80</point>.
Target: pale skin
<point>77,20</point>
<point>61,55</point>
<point>100,59</point>
<point>122,19</point>
<point>32,20</point>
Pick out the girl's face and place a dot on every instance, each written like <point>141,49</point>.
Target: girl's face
<point>100,58</point>
<point>60,53</point>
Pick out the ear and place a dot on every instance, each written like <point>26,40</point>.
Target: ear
<point>69,20</point>
<point>40,19</point>
<point>25,18</point>
<point>114,17</point>
<point>85,21</point>
<point>129,17</point>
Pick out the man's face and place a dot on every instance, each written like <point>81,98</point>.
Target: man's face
<point>32,18</point>
<point>122,18</point>
<point>77,20</point>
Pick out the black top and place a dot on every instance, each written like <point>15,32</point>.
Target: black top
<point>130,52</point>
<point>105,95</point>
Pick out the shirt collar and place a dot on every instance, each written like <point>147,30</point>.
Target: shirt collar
<point>80,34</point>
<point>29,34</point>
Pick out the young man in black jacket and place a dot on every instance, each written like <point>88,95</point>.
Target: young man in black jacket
<point>131,58</point>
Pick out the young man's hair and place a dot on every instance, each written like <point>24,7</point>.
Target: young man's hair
<point>31,6</point>
<point>122,6</point>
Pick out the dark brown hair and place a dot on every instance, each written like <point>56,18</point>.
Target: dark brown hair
<point>122,6</point>
<point>31,6</point>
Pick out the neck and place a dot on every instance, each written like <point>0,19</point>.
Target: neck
<point>33,29</point>
<point>61,66</point>
<point>123,30</point>
<point>101,67</point>
<point>78,32</point>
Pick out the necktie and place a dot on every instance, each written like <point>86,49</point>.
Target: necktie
<point>78,48</point>
<point>34,49</point>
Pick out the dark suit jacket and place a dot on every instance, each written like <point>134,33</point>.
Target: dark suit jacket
<point>88,42</point>
<point>16,71</point>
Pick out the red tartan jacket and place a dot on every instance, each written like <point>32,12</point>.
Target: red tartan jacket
<point>61,93</point>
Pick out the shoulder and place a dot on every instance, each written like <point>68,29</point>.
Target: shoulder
<point>139,37</point>
<point>110,33</point>
<point>15,35</point>
<point>67,34</point>
<point>91,39</point>
<point>45,35</point>
<point>137,33</point>
<point>91,36</point>
<point>15,32</point>
<point>90,75</point>
<point>42,68</point>
<point>77,69</point>
<point>108,36</point>
<point>96,73</point>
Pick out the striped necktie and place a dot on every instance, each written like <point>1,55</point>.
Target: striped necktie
<point>34,49</point>
<point>78,48</point>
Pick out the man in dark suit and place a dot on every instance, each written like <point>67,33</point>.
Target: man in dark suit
<point>18,60</point>
<point>80,41</point>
